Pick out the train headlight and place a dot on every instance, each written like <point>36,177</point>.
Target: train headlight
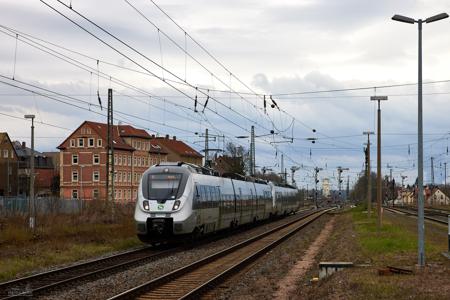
<point>146,205</point>
<point>176,205</point>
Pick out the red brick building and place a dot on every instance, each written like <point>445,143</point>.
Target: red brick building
<point>9,165</point>
<point>83,161</point>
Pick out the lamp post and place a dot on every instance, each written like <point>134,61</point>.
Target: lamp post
<point>32,220</point>
<point>420,204</point>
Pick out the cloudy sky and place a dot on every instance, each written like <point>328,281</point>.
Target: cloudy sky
<point>234,52</point>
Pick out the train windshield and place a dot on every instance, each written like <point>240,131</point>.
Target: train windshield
<point>163,186</point>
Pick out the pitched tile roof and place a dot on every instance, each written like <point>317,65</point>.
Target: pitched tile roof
<point>130,131</point>
<point>177,146</point>
<point>102,130</point>
<point>157,149</point>
<point>4,138</point>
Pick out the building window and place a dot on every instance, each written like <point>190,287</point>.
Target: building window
<point>129,160</point>
<point>75,176</point>
<point>5,153</point>
<point>72,143</point>
<point>88,131</point>
<point>96,159</point>
<point>95,193</point>
<point>99,143</point>
<point>120,177</point>
<point>91,142</point>
<point>120,160</point>
<point>81,142</point>
<point>134,161</point>
<point>129,176</point>
<point>96,176</point>
<point>74,194</point>
<point>115,159</point>
<point>75,159</point>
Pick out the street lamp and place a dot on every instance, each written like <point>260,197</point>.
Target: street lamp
<point>32,219</point>
<point>420,204</point>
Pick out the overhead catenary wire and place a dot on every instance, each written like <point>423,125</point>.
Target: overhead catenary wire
<point>133,49</point>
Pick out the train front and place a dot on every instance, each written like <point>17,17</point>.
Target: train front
<point>164,205</point>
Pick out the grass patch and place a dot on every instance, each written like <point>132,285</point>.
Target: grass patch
<point>61,239</point>
<point>391,240</point>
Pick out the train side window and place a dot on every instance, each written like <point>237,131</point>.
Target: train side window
<point>196,203</point>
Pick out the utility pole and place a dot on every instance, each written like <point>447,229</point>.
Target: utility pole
<point>282,167</point>
<point>316,181</point>
<point>432,171</point>
<point>206,148</point>
<point>32,220</point>
<point>368,174</point>
<point>252,152</point>
<point>445,175</point>
<point>379,191</point>
<point>348,186</point>
<point>110,154</point>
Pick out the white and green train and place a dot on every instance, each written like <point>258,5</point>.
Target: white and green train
<point>177,199</point>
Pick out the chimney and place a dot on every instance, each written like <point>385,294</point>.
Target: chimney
<point>167,136</point>
<point>174,138</point>
<point>153,136</point>
<point>24,145</point>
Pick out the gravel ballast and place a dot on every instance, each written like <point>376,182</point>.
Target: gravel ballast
<point>109,286</point>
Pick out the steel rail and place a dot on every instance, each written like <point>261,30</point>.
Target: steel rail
<point>414,214</point>
<point>39,283</point>
<point>194,279</point>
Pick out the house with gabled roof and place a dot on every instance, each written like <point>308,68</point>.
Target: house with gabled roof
<point>83,156</point>
<point>9,165</point>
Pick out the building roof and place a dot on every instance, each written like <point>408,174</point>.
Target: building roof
<point>130,131</point>
<point>4,138</point>
<point>102,130</point>
<point>157,149</point>
<point>176,146</point>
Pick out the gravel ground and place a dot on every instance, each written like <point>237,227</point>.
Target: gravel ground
<point>119,282</point>
<point>364,283</point>
<point>260,280</point>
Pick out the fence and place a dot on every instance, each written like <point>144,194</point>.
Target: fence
<point>48,205</point>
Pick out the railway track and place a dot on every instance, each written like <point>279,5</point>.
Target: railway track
<point>196,278</point>
<point>41,283</point>
<point>441,219</point>
<point>45,282</point>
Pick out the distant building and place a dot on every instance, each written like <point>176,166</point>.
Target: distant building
<point>407,197</point>
<point>178,150</point>
<point>9,165</point>
<point>44,171</point>
<point>227,164</point>
<point>326,187</point>
<point>437,197</point>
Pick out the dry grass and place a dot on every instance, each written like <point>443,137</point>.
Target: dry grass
<point>62,239</point>
<point>358,240</point>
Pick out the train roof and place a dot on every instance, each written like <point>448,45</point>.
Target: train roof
<point>208,171</point>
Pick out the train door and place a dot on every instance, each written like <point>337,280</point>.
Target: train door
<point>235,201</point>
